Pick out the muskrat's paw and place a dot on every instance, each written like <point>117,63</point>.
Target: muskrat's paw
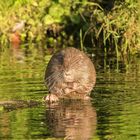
<point>87,97</point>
<point>51,98</point>
<point>67,90</point>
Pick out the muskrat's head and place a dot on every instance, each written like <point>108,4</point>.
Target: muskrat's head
<point>69,64</point>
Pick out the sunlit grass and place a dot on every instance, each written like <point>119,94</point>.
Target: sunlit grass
<point>115,30</point>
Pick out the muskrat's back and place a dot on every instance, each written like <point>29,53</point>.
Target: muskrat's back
<point>70,73</point>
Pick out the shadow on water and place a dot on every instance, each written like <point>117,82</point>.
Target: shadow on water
<point>71,120</point>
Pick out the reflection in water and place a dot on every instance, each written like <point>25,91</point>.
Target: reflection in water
<point>116,99</point>
<point>18,55</point>
<point>21,74</point>
<point>72,120</point>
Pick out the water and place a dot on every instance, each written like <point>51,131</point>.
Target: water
<point>113,114</point>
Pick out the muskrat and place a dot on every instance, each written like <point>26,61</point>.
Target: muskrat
<point>70,73</point>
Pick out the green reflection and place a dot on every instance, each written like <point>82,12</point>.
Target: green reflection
<point>21,78</point>
<point>115,98</point>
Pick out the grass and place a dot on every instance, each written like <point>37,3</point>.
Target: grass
<point>114,31</point>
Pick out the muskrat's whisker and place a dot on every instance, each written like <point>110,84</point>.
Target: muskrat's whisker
<point>80,70</point>
<point>52,83</point>
<point>50,80</point>
<point>75,65</point>
<point>51,76</point>
<point>52,86</point>
<point>75,60</point>
<point>55,76</point>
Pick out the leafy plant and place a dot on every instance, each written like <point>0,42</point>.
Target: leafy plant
<point>114,29</point>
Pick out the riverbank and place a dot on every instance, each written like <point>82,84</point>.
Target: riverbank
<point>111,28</point>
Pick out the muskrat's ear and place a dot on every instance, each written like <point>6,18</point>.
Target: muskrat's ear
<point>60,58</point>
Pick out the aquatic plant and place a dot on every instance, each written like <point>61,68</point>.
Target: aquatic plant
<point>114,30</point>
<point>111,26</point>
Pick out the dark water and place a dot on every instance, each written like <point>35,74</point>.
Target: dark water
<point>113,114</point>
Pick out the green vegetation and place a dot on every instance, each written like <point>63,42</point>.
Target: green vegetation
<point>117,29</point>
<point>110,26</point>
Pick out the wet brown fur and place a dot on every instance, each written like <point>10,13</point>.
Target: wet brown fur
<point>70,73</point>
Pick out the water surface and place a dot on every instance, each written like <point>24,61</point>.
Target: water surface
<point>113,114</point>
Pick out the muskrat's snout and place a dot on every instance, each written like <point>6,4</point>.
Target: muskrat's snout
<point>68,76</point>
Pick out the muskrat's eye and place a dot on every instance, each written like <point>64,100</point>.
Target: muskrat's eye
<point>60,58</point>
<point>59,67</point>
